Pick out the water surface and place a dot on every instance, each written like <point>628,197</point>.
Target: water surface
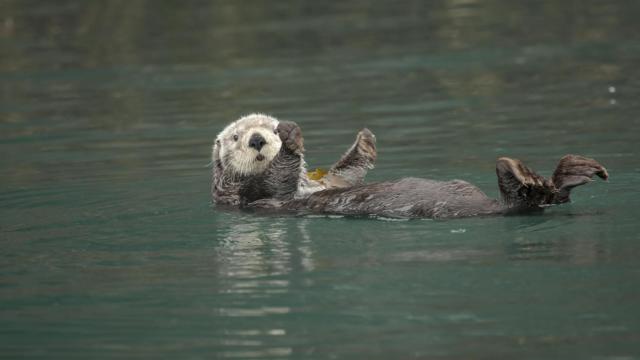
<point>111,247</point>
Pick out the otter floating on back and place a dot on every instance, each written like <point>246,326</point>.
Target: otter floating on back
<point>258,162</point>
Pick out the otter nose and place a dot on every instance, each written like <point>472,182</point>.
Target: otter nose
<point>257,141</point>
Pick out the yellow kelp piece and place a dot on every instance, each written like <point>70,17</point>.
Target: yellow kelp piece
<point>317,174</point>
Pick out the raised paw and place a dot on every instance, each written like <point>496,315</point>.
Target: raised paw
<point>354,164</point>
<point>291,136</point>
<point>366,145</point>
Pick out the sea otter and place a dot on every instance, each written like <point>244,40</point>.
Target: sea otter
<point>261,158</point>
<point>258,162</point>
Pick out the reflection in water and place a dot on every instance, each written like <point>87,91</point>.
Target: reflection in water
<point>566,248</point>
<point>250,252</point>
<point>444,255</point>
<point>554,236</point>
<point>255,260</point>
<point>259,249</point>
<point>257,354</point>
<point>306,252</point>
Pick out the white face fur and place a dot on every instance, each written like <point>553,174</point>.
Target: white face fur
<point>248,145</point>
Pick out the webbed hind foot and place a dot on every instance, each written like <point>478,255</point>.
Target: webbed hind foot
<point>520,186</point>
<point>572,171</point>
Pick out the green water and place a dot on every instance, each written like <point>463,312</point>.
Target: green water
<point>110,246</point>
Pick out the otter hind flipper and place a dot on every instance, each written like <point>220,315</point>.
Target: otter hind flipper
<point>572,171</point>
<point>353,165</point>
<point>520,186</point>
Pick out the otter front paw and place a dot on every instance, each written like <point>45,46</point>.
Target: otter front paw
<point>366,146</point>
<point>291,136</point>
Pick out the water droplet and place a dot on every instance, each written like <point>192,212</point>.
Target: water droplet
<point>612,89</point>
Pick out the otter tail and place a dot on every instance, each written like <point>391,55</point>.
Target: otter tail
<point>521,187</point>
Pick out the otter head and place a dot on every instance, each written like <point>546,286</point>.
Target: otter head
<point>248,145</point>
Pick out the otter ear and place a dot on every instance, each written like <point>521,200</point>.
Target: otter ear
<point>215,151</point>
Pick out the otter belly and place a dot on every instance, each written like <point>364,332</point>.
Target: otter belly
<point>405,198</point>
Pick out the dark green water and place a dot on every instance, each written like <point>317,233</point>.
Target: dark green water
<point>109,246</point>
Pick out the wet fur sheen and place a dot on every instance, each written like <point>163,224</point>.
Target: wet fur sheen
<point>283,183</point>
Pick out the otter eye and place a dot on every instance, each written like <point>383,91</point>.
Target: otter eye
<point>217,142</point>
<point>275,131</point>
<point>235,137</point>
